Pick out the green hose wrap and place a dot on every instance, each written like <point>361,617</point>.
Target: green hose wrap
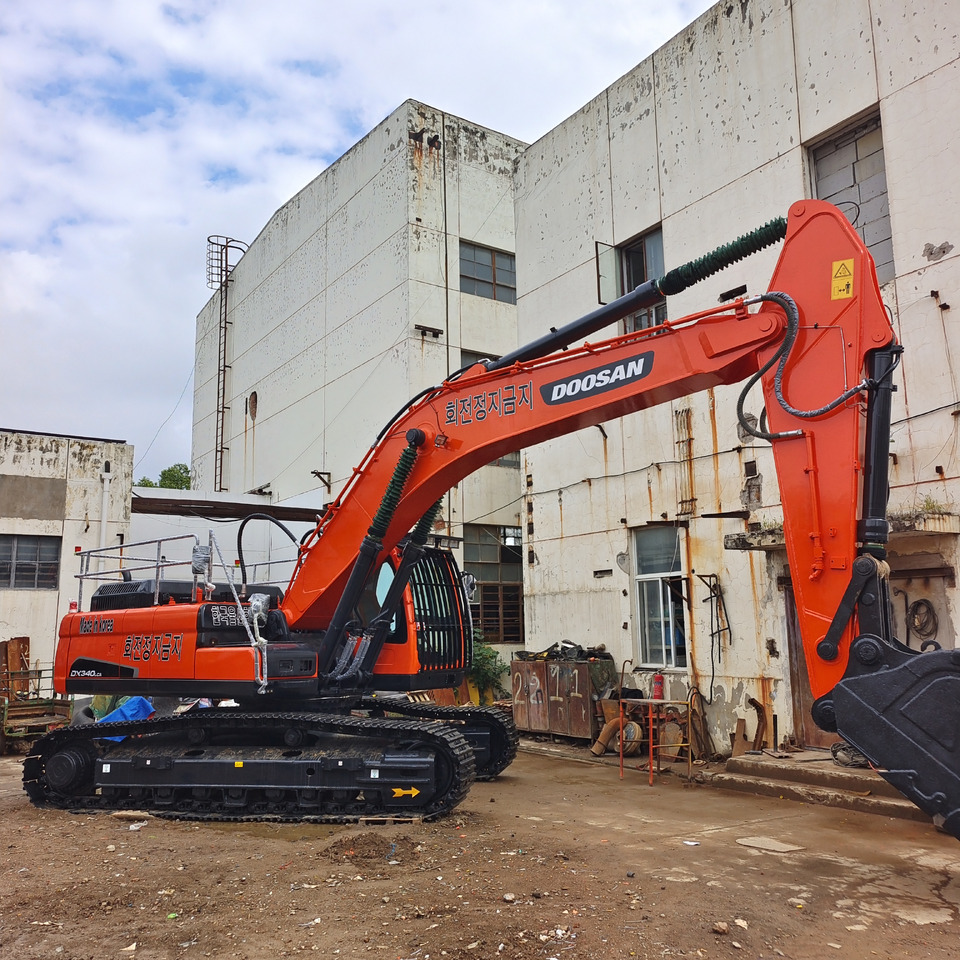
<point>425,526</point>
<point>391,497</point>
<point>696,270</point>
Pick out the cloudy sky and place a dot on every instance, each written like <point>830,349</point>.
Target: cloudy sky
<point>130,130</point>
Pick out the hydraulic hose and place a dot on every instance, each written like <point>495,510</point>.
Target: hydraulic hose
<point>375,634</point>
<point>367,553</point>
<point>648,293</point>
<point>781,357</point>
<point>243,523</point>
<point>693,272</point>
<point>391,496</point>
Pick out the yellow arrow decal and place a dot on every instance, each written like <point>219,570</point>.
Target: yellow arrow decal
<point>399,792</point>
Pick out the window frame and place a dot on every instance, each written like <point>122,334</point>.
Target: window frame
<point>502,279</point>
<point>665,650</point>
<point>619,264</point>
<point>13,563</point>
<point>649,246</point>
<point>497,605</point>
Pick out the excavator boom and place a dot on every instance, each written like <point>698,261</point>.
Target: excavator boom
<point>485,412</point>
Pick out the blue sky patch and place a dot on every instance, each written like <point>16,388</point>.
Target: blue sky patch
<point>133,100</point>
<point>224,176</point>
<point>188,83</point>
<point>312,68</point>
<point>181,16</point>
<point>53,90</point>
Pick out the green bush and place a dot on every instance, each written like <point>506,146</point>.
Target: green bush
<point>487,670</point>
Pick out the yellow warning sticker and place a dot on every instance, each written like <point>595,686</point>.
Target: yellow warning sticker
<point>238,763</point>
<point>841,284</point>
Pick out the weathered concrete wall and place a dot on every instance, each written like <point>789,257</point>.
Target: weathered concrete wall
<point>708,138</point>
<point>312,302</point>
<point>53,487</point>
<point>326,303</point>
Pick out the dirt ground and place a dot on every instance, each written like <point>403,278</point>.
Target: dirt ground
<point>557,859</point>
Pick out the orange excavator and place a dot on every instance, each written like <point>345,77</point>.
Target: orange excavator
<point>320,729</point>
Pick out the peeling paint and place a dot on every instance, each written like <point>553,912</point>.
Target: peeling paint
<point>938,252</point>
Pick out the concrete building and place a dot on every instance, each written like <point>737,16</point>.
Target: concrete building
<point>58,495</point>
<point>394,267</point>
<point>633,532</point>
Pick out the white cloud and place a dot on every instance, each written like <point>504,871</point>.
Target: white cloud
<point>131,131</point>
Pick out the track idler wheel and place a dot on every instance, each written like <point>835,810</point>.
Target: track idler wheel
<point>70,770</point>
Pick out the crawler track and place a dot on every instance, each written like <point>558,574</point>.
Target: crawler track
<point>229,765</point>
<point>492,733</point>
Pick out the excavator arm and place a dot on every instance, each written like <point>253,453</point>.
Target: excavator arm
<point>812,342</point>
<point>822,348</point>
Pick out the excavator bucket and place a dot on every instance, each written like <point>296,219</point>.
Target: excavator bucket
<point>901,709</point>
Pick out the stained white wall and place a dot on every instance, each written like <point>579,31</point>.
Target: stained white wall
<point>709,138</point>
<point>325,304</point>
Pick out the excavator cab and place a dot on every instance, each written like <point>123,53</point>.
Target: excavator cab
<point>428,639</point>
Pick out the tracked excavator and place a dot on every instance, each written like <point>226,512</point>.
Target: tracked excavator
<point>321,729</point>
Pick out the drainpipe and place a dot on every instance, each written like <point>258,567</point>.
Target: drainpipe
<point>105,478</point>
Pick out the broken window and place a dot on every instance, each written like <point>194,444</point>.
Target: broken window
<point>488,273</point>
<point>494,556</point>
<point>622,269</point>
<point>849,172</point>
<point>686,489</point>
<point>659,586</point>
<point>29,563</point>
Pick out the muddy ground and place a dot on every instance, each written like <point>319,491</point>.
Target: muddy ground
<point>558,859</point>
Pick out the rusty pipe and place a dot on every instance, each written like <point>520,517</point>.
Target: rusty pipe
<point>622,670</point>
<point>599,748</point>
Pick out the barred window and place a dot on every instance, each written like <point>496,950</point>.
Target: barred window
<point>494,556</point>
<point>29,563</point>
